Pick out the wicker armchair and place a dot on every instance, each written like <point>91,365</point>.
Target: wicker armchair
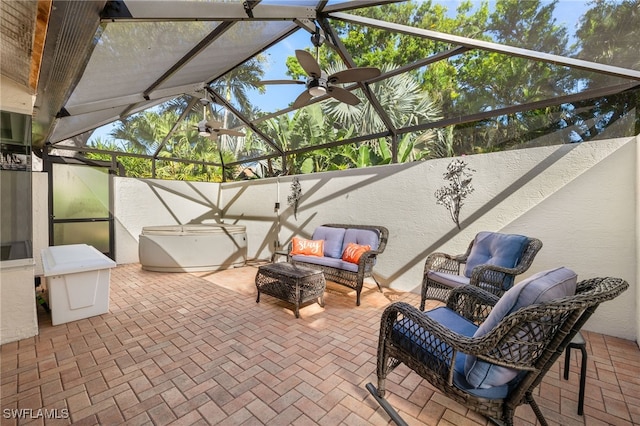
<point>527,342</point>
<point>479,266</point>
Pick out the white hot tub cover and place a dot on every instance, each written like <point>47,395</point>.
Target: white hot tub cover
<point>192,247</point>
<point>194,229</point>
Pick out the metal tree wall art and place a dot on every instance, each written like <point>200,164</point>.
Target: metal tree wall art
<point>294,198</point>
<point>451,195</point>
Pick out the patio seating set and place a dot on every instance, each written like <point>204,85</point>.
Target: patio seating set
<point>491,343</point>
<point>344,254</point>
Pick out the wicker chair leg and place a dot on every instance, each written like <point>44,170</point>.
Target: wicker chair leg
<point>377,283</point>
<point>534,406</point>
<point>434,292</point>
<point>382,369</point>
<point>381,386</point>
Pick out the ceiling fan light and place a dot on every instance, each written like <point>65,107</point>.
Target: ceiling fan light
<point>202,128</point>
<point>317,91</point>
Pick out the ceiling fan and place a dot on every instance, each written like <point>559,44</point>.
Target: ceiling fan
<point>212,128</point>
<point>318,83</point>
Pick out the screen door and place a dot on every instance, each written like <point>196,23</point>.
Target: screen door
<point>80,206</point>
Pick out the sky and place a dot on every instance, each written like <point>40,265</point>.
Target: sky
<point>280,96</point>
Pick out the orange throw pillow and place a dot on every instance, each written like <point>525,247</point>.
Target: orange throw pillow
<point>308,247</point>
<point>353,252</point>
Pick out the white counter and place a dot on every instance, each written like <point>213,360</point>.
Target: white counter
<point>78,278</point>
<point>18,315</point>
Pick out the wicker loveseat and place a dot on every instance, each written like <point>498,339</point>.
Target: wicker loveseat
<point>336,238</point>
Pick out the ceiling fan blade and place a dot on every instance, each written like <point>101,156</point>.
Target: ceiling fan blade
<point>302,100</point>
<point>343,95</point>
<point>265,82</point>
<point>229,132</point>
<point>354,74</point>
<point>214,124</point>
<point>308,63</point>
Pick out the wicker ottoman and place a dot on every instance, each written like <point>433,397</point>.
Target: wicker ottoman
<point>291,283</point>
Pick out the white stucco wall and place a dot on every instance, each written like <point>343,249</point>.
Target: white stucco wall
<point>40,189</point>
<point>253,205</point>
<point>18,319</point>
<point>578,199</point>
<point>149,202</point>
<point>18,310</point>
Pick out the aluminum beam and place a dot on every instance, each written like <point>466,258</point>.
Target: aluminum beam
<point>131,154</point>
<point>357,4</point>
<point>135,98</point>
<point>222,101</point>
<point>184,114</point>
<point>595,93</point>
<point>333,144</point>
<point>158,10</point>
<point>492,47</point>
<point>346,57</point>
<point>560,100</point>
<point>195,51</point>
<point>421,63</point>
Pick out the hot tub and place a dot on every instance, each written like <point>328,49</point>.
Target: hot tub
<point>192,248</point>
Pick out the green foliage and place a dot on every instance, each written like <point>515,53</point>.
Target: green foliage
<point>304,128</point>
<point>607,32</point>
<point>294,70</point>
<point>405,104</point>
<point>142,134</point>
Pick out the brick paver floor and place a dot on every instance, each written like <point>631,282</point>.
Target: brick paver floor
<point>197,349</point>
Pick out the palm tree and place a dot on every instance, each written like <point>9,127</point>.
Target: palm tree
<point>143,132</point>
<point>403,100</point>
<point>234,86</point>
<point>133,166</point>
<point>306,127</point>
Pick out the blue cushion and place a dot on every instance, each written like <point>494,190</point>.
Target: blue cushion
<point>326,261</point>
<point>450,280</point>
<point>332,237</point>
<point>496,392</point>
<point>542,287</point>
<point>363,237</point>
<point>430,351</point>
<point>426,348</point>
<point>497,249</point>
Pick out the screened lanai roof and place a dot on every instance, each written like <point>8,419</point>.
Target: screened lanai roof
<point>105,61</point>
